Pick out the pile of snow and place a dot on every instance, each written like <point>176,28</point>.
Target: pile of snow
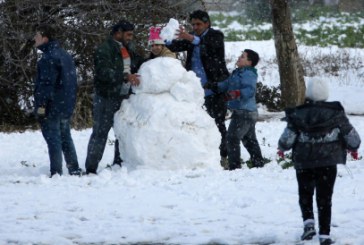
<point>164,125</point>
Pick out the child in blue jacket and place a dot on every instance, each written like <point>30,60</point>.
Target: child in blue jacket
<point>240,90</point>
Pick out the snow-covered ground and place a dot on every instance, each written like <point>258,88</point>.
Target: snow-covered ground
<point>196,205</point>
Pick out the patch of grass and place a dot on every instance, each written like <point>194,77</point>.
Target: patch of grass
<point>327,27</point>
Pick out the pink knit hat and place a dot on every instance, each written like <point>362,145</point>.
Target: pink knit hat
<point>154,37</point>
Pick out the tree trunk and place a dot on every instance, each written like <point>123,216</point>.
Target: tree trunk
<point>290,68</point>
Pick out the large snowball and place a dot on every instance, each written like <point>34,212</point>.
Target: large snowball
<point>169,31</point>
<point>164,125</point>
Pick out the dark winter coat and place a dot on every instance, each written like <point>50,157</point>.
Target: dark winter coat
<point>109,69</point>
<point>212,54</point>
<point>319,134</point>
<point>56,82</point>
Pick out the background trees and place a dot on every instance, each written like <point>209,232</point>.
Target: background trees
<point>81,26</point>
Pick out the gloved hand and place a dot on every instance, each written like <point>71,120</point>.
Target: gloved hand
<point>354,155</point>
<point>232,95</point>
<point>212,86</point>
<point>280,154</point>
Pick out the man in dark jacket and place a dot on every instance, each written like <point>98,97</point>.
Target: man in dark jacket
<point>206,57</point>
<point>55,98</point>
<point>115,68</point>
<point>319,134</point>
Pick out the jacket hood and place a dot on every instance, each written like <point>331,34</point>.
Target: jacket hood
<point>316,116</point>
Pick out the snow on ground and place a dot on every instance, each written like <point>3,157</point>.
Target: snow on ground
<point>203,205</point>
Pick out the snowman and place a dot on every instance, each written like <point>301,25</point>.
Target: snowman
<point>163,125</point>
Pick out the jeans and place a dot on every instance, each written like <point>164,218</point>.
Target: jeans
<point>57,133</point>
<point>216,108</point>
<point>242,128</point>
<point>103,119</point>
<point>323,180</point>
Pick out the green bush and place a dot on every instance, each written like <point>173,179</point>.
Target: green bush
<point>269,96</point>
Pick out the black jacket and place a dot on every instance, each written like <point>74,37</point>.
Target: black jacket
<point>109,69</point>
<point>319,134</point>
<point>212,54</point>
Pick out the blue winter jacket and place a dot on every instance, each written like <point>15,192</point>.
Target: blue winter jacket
<point>56,82</point>
<point>240,88</point>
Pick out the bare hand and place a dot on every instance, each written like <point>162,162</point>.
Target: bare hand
<point>134,79</point>
<point>182,34</point>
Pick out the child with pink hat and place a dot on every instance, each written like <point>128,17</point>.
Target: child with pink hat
<point>157,46</point>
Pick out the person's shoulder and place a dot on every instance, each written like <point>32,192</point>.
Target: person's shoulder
<point>214,33</point>
<point>105,44</point>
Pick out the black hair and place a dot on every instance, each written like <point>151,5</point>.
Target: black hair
<point>122,25</point>
<point>200,15</point>
<point>252,56</point>
<point>46,30</point>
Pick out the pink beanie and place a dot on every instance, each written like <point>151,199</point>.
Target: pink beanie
<point>154,37</point>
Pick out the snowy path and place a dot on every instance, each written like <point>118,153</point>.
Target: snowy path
<point>200,206</point>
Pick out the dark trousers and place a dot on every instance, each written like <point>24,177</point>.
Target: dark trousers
<point>242,128</point>
<point>216,107</point>
<point>103,119</point>
<point>323,180</point>
<point>57,133</point>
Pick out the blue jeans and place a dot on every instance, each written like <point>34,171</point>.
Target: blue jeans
<point>57,133</point>
<point>103,119</point>
<point>242,128</point>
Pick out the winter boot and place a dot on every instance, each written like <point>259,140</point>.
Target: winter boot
<point>224,163</point>
<point>234,166</point>
<point>308,231</point>
<point>325,240</point>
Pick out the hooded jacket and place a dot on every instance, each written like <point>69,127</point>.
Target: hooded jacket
<point>56,82</point>
<point>319,133</point>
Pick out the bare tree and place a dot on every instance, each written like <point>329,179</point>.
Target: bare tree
<point>290,68</point>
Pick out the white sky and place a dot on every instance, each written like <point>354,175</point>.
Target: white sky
<point>179,203</point>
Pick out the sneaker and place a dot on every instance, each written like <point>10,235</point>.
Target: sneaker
<point>326,241</point>
<point>76,172</point>
<point>224,163</point>
<point>308,231</point>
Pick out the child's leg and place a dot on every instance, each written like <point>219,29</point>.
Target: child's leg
<point>325,181</point>
<point>306,187</point>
